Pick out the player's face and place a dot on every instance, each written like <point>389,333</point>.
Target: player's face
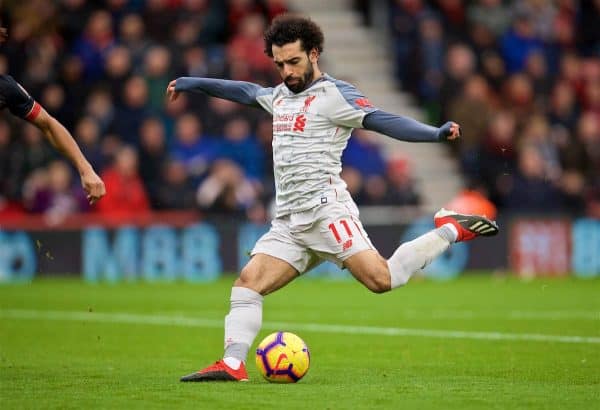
<point>294,65</point>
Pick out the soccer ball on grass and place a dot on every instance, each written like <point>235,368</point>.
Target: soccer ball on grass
<point>282,357</point>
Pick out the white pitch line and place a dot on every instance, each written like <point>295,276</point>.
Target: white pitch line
<point>162,320</point>
<point>554,315</point>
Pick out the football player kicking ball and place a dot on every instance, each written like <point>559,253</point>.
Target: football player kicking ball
<point>316,219</point>
<point>14,97</point>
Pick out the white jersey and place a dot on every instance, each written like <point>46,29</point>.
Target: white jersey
<point>310,131</point>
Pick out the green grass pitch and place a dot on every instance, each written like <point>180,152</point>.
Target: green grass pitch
<point>479,342</point>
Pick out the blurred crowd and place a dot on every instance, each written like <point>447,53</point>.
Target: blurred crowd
<point>523,79</point>
<point>102,68</point>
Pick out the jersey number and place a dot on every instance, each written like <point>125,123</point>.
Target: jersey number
<point>335,232</point>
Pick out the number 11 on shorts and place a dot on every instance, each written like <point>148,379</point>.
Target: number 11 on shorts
<point>335,232</point>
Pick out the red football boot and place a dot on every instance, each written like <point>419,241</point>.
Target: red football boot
<point>218,372</point>
<point>468,226</point>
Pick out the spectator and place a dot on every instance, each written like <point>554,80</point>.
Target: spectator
<point>493,14</point>
<point>30,152</point>
<point>133,111</point>
<point>530,191</point>
<point>541,14</point>
<point>493,69</point>
<point>364,154</point>
<point>157,65</point>
<point>175,190</point>
<point>238,10</point>
<point>247,46</point>
<point>431,60</point>
<point>239,146</point>
<point>275,8</point>
<point>520,41</point>
<point>132,35</point>
<point>54,194</point>
<point>192,147</point>
<point>100,107</point>
<point>354,181</point>
<point>375,190</point>
<point>402,189</point>
<point>536,133</point>
<point>153,157</point>
<point>473,110</point>
<point>589,29</point>
<point>92,45</point>
<point>588,137</point>
<point>563,108</point>
<point>460,65</point>
<point>53,101</point>
<point>87,133</point>
<point>226,190</point>
<point>404,16</point>
<point>75,88</point>
<point>498,155</point>
<point>537,70</point>
<point>118,68</point>
<point>519,97</point>
<point>7,177</point>
<point>219,113</point>
<point>126,196</point>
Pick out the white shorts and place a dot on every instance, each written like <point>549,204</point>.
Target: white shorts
<point>330,232</point>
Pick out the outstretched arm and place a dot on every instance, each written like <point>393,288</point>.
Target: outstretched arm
<point>21,104</point>
<point>350,108</point>
<point>62,140</point>
<point>408,129</point>
<point>238,91</point>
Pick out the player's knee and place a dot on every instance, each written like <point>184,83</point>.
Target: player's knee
<point>381,286</point>
<point>248,279</point>
<point>379,281</point>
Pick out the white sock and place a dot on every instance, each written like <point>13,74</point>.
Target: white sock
<point>242,323</point>
<point>233,362</point>
<point>448,231</point>
<point>414,255</point>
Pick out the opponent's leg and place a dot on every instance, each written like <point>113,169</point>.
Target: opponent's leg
<point>264,274</point>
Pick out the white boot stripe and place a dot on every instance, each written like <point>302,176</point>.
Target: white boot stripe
<point>475,225</point>
<point>483,227</point>
<point>490,229</point>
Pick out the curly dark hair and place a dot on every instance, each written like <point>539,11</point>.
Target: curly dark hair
<point>287,28</point>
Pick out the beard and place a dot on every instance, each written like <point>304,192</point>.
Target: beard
<point>300,83</point>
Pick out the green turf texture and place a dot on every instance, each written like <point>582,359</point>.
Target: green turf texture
<point>86,364</point>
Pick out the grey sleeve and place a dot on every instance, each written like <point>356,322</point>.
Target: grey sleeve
<point>239,91</point>
<point>402,128</point>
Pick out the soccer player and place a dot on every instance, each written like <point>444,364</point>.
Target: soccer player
<point>316,219</point>
<point>14,97</point>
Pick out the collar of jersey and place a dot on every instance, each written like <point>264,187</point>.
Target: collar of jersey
<point>323,77</point>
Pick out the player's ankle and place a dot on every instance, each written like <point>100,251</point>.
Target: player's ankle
<point>232,362</point>
<point>448,232</point>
